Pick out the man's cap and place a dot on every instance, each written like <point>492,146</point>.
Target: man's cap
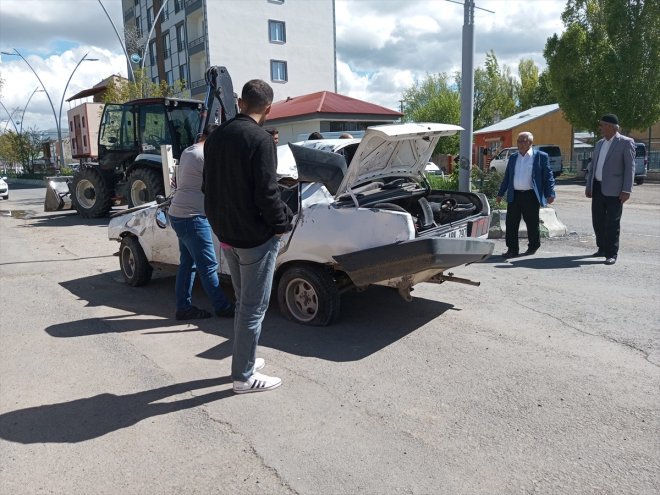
<point>610,118</point>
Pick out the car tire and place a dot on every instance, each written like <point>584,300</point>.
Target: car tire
<point>307,294</point>
<point>90,193</point>
<point>144,184</point>
<point>135,267</point>
<point>639,181</point>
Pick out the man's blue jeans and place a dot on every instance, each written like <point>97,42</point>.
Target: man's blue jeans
<point>252,272</point>
<point>196,254</point>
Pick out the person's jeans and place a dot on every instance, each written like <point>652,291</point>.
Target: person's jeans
<point>252,272</point>
<point>196,253</point>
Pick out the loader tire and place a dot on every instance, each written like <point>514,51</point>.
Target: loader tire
<point>135,267</point>
<point>90,193</point>
<point>144,184</point>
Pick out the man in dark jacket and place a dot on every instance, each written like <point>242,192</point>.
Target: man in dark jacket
<point>243,205</point>
<point>529,185</point>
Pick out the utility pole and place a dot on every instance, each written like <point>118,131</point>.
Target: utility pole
<point>467,94</point>
<point>467,97</point>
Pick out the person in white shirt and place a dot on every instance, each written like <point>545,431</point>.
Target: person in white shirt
<point>529,185</point>
<point>609,184</point>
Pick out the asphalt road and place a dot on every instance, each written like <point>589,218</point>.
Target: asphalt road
<point>543,380</point>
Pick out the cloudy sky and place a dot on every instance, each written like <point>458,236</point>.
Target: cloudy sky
<point>383,46</point>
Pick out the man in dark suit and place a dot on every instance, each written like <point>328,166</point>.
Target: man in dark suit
<point>609,183</point>
<point>529,184</point>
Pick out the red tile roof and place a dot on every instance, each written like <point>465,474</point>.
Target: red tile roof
<point>326,102</point>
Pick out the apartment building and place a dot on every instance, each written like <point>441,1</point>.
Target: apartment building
<point>288,43</point>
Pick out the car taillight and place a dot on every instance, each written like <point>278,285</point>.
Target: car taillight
<point>479,227</point>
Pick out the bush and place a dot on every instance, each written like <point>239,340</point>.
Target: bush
<point>444,182</point>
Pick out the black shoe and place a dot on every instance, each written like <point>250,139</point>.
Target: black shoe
<point>192,313</point>
<point>598,254</point>
<point>530,252</point>
<point>227,312</point>
<point>611,260</point>
<point>510,254</point>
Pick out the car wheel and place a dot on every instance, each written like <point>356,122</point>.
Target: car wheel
<point>90,193</point>
<point>144,184</point>
<point>308,294</point>
<point>135,267</point>
<point>639,181</point>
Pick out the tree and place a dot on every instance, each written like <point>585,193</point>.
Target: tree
<point>495,92</point>
<point>529,81</point>
<point>121,91</point>
<point>434,100</point>
<point>607,60</point>
<point>543,94</point>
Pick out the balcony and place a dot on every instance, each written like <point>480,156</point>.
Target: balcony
<point>198,87</point>
<point>192,5</point>
<point>197,45</point>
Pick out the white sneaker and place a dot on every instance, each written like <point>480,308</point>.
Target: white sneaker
<point>257,383</point>
<point>259,363</point>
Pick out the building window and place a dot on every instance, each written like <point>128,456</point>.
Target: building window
<point>276,1</point>
<point>154,79</point>
<point>84,141</point>
<point>170,78</point>
<point>71,126</point>
<point>183,73</point>
<point>166,45</point>
<point>177,5</point>
<point>138,26</point>
<point>152,52</point>
<point>137,2</point>
<point>83,122</point>
<point>278,71</point>
<point>150,17</point>
<point>276,32</point>
<point>180,37</point>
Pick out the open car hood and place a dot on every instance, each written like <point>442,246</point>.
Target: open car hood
<point>396,150</point>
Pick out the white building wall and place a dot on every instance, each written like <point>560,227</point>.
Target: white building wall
<point>239,39</point>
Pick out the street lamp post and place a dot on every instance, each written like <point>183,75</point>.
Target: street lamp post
<point>26,105</point>
<point>121,42</point>
<point>55,115</point>
<point>11,118</point>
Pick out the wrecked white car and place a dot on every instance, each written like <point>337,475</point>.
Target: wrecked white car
<point>364,214</point>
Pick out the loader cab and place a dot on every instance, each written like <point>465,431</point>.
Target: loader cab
<point>142,126</point>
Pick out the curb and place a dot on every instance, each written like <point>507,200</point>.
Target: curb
<point>549,226</point>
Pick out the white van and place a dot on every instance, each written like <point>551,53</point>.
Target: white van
<point>498,163</point>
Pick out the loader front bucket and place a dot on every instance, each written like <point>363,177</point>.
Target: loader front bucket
<point>58,196</point>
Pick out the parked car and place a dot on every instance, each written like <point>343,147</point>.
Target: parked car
<point>554,153</point>
<point>364,214</point>
<point>498,163</point>
<point>641,163</point>
<point>4,188</point>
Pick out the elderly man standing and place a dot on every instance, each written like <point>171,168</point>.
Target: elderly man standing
<point>609,184</point>
<point>529,184</point>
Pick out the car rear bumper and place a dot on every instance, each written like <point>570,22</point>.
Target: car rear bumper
<point>376,265</point>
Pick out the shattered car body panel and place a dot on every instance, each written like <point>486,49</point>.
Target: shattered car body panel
<point>364,214</point>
